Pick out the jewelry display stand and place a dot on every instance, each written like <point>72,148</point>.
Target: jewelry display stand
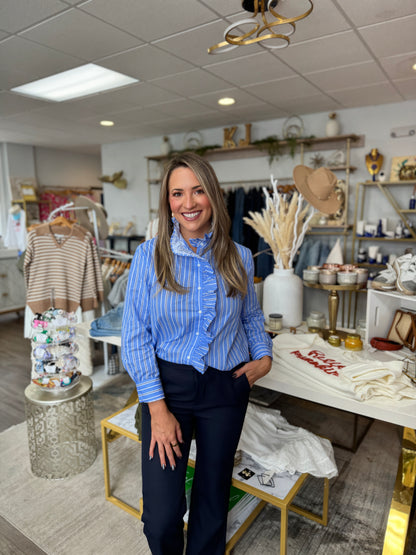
<point>333,302</point>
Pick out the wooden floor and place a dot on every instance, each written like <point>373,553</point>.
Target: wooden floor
<point>15,374</point>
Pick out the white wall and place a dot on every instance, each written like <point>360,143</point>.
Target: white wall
<point>57,168</point>
<point>375,123</point>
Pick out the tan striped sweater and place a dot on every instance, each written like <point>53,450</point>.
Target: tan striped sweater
<point>63,271</point>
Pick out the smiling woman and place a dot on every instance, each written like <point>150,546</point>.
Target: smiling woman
<point>191,322</point>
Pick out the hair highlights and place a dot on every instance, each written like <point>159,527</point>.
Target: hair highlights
<point>225,253</point>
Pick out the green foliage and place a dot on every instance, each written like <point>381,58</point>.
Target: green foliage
<point>274,146</point>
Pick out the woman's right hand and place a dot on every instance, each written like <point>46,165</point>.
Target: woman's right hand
<point>166,433</point>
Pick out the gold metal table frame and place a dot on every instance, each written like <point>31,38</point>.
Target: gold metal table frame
<point>111,431</point>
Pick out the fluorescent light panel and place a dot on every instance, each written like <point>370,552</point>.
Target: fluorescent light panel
<point>75,83</point>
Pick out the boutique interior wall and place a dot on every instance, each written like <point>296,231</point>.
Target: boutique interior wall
<point>374,122</point>
<point>50,168</point>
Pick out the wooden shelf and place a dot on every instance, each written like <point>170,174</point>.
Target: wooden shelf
<point>388,239</point>
<point>322,143</point>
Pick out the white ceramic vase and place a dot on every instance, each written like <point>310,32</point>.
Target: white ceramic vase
<point>283,294</point>
<point>165,146</point>
<point>332,128</point>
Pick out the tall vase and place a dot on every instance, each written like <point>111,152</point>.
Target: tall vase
<point>283,294</point>
<point>332,128</point>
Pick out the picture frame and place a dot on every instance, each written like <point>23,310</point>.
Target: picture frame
<point>23,188</point>
<point>403,168</point>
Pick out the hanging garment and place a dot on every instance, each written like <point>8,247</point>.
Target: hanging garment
<point>62,268</point>
<point>15,237</point>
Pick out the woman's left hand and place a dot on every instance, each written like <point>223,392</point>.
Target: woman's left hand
<point>255,369</point>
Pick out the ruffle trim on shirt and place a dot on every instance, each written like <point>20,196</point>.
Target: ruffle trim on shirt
<point>209,297</point>
<point>208,292</point>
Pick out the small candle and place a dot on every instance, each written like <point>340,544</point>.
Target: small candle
<point>275,322</point>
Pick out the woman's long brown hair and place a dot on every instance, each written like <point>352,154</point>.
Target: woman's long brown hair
<point>225,253</point>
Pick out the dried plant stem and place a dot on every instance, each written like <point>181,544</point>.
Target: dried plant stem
<point>282,224</point>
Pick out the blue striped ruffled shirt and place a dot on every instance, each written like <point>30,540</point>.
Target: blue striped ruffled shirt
<point>201,328</point>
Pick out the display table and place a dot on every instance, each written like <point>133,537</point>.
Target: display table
<point>61,430</point>
<point>402,413</point>
<point>280,494</point>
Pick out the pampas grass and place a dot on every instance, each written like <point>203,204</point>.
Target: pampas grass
<point>282,224</point>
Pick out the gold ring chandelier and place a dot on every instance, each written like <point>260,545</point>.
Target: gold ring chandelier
<point>261,29</point>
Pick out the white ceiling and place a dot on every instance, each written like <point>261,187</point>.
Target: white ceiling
<point>347,53</point>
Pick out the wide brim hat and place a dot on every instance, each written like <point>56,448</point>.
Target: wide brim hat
<point>85,218</point>
<point>318,188</point>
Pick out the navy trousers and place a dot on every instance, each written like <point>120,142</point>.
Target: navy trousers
<point>212,406</point>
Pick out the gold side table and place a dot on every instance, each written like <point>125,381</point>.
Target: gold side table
<point>333,302</point>
<point>61,431</point>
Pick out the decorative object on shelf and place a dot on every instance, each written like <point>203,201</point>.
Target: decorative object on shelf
<point>382,176</point>
<point>332,127</point>
<point>317,161</point>
<point>318,188</point>
<point>264,30</point>
<point>403,168</point>
<point>374,162</point>
<point>165,147</point>
<point>338,158</point>
<point>292,130</point>
<point>23,188</point>
<point>282,224</point>
<point>192,140</point>
<point>116,179</point>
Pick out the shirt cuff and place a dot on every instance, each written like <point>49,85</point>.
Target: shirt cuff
<point>260,352</point>
<point>151,390</point>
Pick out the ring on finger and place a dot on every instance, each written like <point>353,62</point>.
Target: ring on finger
<point>174,444</point>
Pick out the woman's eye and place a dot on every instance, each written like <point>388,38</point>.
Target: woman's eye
<point>199,192</point>
<point>176,194</point>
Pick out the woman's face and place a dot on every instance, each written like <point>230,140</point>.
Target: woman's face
<point>189,204</point>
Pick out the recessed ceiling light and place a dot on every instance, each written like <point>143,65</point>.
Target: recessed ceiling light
<point>74,83</point>
<point>226,101</point>
<point>414,67</point>
<point>107,123</point>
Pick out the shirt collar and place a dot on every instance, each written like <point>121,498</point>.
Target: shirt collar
<point>180,246</point>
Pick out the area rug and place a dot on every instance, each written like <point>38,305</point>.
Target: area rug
<point>72,517</point>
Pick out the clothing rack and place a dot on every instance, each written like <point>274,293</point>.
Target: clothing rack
<point>70,207</point>
<point>255,182</point>
<point>119,255</point>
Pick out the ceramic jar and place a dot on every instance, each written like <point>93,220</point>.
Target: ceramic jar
<point>353,342</point>
<point>328,277</point>
<point>315,319</point>
<point>332,128</point>
<point>283,294</point>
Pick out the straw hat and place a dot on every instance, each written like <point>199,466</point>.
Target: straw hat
<point>85,219</point>
<point>318,188</point>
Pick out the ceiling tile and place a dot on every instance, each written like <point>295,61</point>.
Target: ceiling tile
<point>325,19</point>
<point>14,104</point>
<point>191,83</point>
<point>33,61</point>
<point>15,16</point>
<point>82,35</point>
<point>222,8</point>
<point>376,11</point>
<point>394,37</point>
<point>369,95</point>
<point>241,97</point>
<point>182,108</point>
<point>140,115</point>
<point>399,67</point>
<point>251,69</point>
<point>407,87</point>
<point>193,45</point>
<point>282,89</point>
<point>150,20</point>
<point>146,62</point>
<point>355,75</point>
<point>327,52</point>
<point>310,104</point>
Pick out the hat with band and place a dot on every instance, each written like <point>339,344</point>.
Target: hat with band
<point>318,188</point>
